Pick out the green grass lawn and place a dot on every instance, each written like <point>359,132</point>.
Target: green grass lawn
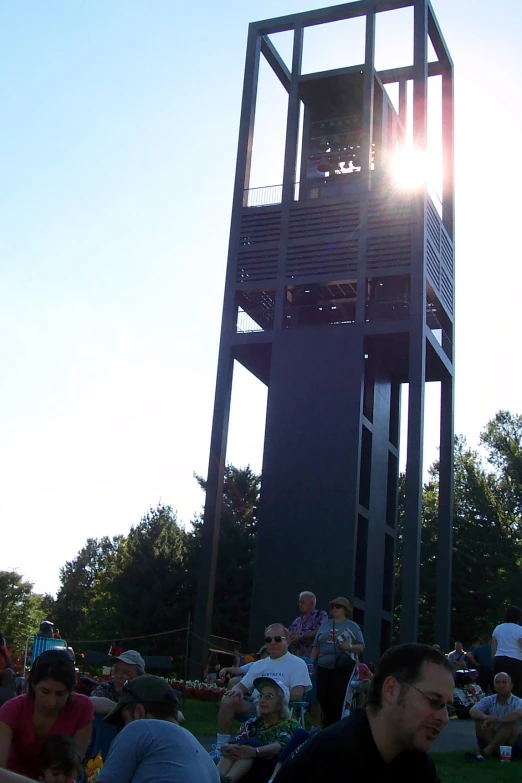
<point>200,717</point>
<point>201,720</point>
<point>452,768</point>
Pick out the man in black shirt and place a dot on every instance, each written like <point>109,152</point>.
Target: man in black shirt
<point>409,704</point>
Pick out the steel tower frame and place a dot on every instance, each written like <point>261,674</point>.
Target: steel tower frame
<point>327,518</point>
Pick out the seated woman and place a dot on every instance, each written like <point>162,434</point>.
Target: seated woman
<point>260,740</point>
<point>49,708</point>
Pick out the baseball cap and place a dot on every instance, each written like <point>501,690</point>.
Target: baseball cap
<point>132,657</point>
<point>147,689</point>
<point>266,680</point>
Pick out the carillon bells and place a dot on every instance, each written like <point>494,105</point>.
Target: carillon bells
<point>325,165</point>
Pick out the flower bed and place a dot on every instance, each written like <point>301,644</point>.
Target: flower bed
<point>195,689</point>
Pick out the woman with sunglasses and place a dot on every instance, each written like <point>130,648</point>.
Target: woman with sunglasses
<point>253,754</point>
<point>335,639</point>
<point>49,708</point>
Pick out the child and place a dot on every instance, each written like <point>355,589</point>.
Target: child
<point>61,760</point>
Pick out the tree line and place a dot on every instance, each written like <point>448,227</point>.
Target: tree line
<point>144,583</point>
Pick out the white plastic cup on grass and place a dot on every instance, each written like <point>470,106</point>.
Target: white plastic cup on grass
<point>505,753</point>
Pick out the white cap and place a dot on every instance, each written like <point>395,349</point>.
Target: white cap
<point>265,679</point>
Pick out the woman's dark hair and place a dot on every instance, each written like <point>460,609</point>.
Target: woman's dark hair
<point>513,615</point>
<point>403,662</point>
<point>52,665</point>
<point>61,753</point>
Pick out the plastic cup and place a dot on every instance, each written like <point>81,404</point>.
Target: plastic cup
<point>505,753</point>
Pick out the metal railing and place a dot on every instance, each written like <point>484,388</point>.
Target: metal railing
<point>266,196</point>
<point>315,315</point>
<point>255,320</point>
<point>387,310</point>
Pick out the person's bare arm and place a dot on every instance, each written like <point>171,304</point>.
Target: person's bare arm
<point>509,717</point>
<point>102,705</point>
<point>237,692</point>
<point>494,646</point>
<point>296,694</point>
<point>6,737</point>
<point>355,648</point>
<point>248,752</point>
<point>476,714</point>
<point>83,737</point>
<point>314,654</point>
<point>12,777</point>
<point>234,671</point>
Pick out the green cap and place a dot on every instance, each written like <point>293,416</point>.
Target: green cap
<point>146,689</point>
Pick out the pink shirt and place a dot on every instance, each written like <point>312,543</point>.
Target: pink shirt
<point>25,750</point>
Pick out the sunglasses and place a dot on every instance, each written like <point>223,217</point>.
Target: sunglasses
<point>337,606</point>
<point>277,639</point>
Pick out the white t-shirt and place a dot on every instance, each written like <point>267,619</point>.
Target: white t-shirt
<point>291,670</point>
<point>507,636</point>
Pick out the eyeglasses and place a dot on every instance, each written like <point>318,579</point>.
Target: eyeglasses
<point>267,696</point>
<point>337,606</point>
<point>436,704</point>
<point>277,639</point>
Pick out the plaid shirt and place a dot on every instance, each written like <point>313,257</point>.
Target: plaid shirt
<point>107,691</point>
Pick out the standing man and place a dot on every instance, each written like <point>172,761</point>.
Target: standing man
<point>302,633</point>
<point>303,629</point>
<point>280,665</point>
<point>457,657</point>
<point>409,704</point>
<point>482,658</point>
<point>497,720</point>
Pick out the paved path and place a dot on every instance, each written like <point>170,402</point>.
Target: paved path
<point>458,735</point>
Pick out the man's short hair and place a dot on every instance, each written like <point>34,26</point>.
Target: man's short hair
<point>278,625</point>
<point>403,662</point>
<point>158,710</point>
<point>308,594</point>
<point>458,642</point>
<point>503,674</point>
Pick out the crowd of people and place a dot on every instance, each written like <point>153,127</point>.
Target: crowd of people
<point>393,712</point>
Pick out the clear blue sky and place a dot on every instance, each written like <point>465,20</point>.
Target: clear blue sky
<point>118,142</point>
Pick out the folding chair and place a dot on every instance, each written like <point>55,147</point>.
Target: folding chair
<point>39,645</point>
<point>350,696</point>
<point>298,712</point>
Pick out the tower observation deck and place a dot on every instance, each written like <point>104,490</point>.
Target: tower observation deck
<point>339,289</point>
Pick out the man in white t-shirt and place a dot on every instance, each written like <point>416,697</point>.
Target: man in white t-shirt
<point>280,665</point>
<point>497,720</point>
<point>457,657</point>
